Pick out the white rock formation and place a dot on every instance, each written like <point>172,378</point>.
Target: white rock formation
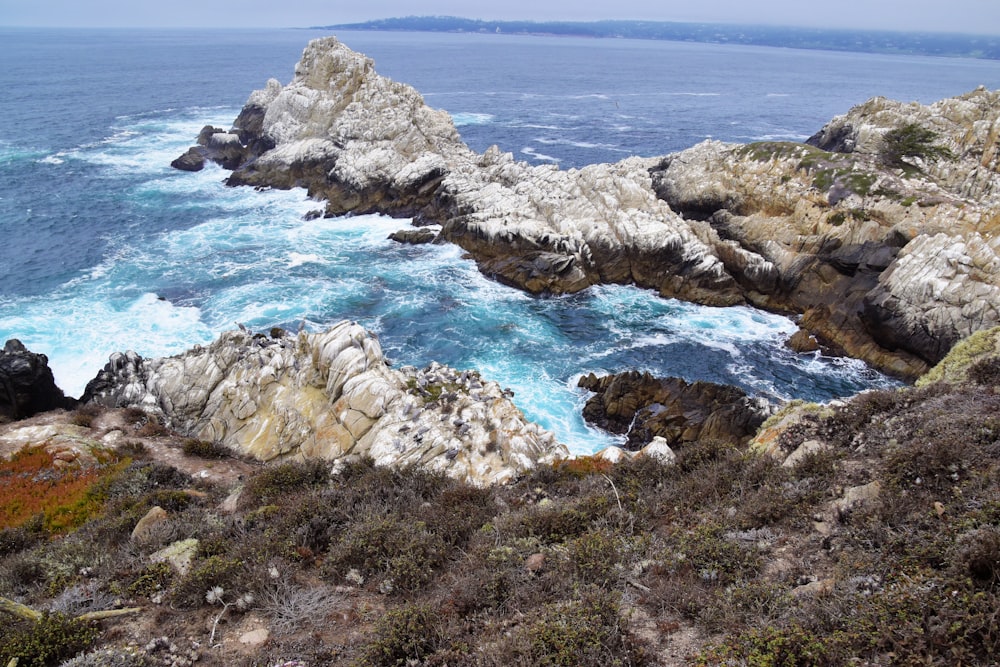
<point>331,395</point>
<point>363,143</point>
<point>784,226</point>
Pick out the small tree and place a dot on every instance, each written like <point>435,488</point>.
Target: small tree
<point>910,140</point>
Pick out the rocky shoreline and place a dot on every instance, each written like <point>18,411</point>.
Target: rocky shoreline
<point>888,258</point>
<point>890,262</point>
<point>415,516</point>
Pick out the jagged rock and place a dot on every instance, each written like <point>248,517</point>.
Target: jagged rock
<point>367,144</point>
<point>644,407</point>
<point>27,386</point>
<point>330,395</point>
<point>889,265</point>
<point>967,125</point>
<point>803,341</point>
<point>829,231</point>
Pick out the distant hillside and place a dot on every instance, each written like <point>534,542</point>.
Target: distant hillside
<point>871,41</point>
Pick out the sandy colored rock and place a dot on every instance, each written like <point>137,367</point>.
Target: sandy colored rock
<point>329,395</point>
<point>802,451</point>
<point>147,524</point>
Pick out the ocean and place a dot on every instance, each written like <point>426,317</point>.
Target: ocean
<point>106,248</point>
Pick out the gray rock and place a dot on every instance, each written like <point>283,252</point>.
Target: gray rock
<point>329,395</point>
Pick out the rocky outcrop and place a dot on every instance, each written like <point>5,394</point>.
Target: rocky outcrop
<point>967,126</point>
<point>888,261</point>
<point>330,395</point>
<point>27,386</point>
<point>215,145</point>
<point>367,144</point>
<point>644,407</point>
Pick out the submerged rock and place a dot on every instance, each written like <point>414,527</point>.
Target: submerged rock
<point>330,395</point>
<point>27,385</point>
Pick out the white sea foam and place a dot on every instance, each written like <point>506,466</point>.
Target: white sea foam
<point>779,136</point>
<point>580,144</point>
<point>79,330</point>
<point>11,153</point>
<point>298,259</point>
<point>530,150</point>
<point>462,119</point>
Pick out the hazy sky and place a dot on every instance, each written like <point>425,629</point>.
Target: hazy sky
<point>970,16</point>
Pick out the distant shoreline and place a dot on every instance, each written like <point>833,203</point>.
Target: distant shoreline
<point>985,47</point>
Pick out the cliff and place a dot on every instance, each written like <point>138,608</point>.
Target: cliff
<point>889,260</point>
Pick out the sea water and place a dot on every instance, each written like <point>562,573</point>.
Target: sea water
<point>106,248</point>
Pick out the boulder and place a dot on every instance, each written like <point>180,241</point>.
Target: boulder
<point>414,236</point>
<point>330,395</point>
<point>27,385</point>
<point>192,160</point>
<point>802,341</point>
<point>643,408</point>
<point>146,526</point>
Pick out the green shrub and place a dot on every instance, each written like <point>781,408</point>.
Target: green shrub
<point>586,632</point>
<point>402,635</point>
<point>911,140</point>
<point>204,575</point>
<point>275,482</point>
<point>715,557</point>
<point>152,579</point>
<point>770,646</point>
<point>47,641</point>
<point>402,553</point>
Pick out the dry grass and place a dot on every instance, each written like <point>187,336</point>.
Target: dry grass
<point>726,554</point>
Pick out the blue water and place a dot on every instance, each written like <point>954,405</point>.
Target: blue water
<point>106,248</point>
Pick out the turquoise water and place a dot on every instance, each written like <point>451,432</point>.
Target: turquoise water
<point>107,248</point>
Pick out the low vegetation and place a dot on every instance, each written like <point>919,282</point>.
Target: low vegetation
<point>881,545</point>
<point>902,144</point>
